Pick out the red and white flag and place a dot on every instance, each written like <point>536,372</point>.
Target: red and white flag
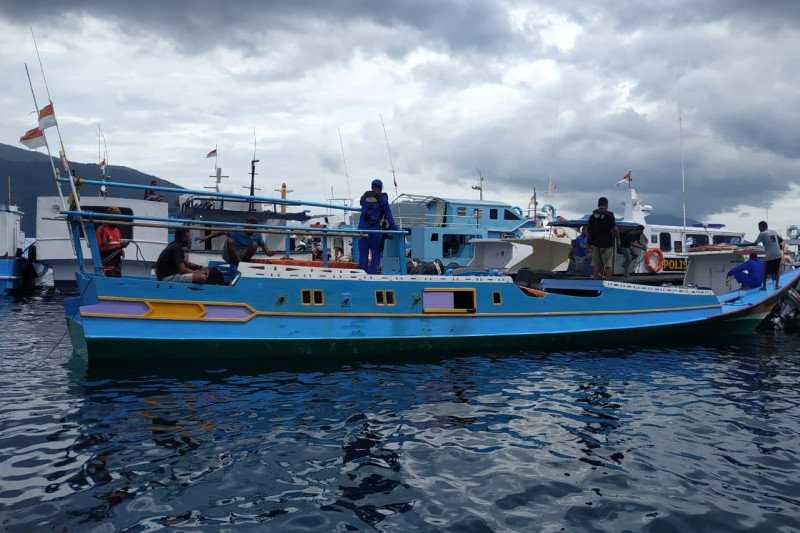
<point>551,187</point>
<point>103,166</point>
<point>47,117</point>
<point>626,178</point>
<point>212,153</point>
<point>33,138</point>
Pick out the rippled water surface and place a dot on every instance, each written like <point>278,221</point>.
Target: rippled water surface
<point>656,439</point>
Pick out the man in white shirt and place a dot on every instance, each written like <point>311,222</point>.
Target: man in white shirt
<point>772,244</point>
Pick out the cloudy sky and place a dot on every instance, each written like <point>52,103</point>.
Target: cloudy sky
<point>578,91</point>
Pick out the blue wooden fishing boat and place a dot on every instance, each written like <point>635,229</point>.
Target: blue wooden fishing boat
<point>273,311</point>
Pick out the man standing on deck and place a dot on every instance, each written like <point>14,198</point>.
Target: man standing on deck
<point>374,211</point>
<point>772,244</point>
<point>601,229</point>
<point>111,245</point>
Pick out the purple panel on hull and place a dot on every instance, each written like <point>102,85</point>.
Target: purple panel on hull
<point>437,300</point>
<point>227,311</point>
<point>111,307</point>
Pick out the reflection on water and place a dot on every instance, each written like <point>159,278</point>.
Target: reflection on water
<point>670,439</point>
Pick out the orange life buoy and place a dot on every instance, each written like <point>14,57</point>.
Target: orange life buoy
<point>648,263</point>
<point>560,233</point>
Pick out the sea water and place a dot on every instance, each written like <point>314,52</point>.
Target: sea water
<point>670,438</point>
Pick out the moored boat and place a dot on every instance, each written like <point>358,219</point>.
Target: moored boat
<point>273,311</point>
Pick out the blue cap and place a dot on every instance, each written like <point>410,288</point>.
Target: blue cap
<point>377,183</point>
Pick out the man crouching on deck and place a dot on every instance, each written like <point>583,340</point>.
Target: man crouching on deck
<point>172,264</point>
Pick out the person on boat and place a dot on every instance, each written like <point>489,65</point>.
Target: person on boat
<point>111,245</point>
<point>375,215</point>
<point>239,245</point>
<point>632,246</point>
<point>338,245</point>
<point>151,195</point>
<point>172,264</point>
<point>749,274</point>
<point>580,254</point>
<point>601,230</point>
<point>773,245</point>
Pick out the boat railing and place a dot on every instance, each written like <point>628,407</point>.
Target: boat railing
<point>82,219</point>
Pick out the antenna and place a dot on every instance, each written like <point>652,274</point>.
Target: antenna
<point>344,162</point>
<point>389,151</point>
<point>479,187</point>
<point>683,172</point>
<point>252,206</point>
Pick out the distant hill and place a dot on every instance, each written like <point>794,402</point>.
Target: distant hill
<point>31,176</point>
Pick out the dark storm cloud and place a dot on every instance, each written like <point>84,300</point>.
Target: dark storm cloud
<point>613,105</point>
<point>197,26</point>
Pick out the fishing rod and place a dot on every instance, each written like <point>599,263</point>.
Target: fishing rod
<point>389,151</point>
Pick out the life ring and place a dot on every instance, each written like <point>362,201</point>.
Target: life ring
<point>559,233</point>
<point>648,263</point>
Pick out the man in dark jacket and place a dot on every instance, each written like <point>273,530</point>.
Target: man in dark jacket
<point>374,211</point>
<point>601,229</point>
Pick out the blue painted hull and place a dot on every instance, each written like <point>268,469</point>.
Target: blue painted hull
<point>9,274</point>
<point>266,317</point>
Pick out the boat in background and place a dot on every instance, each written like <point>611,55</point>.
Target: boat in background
<point>445,229</point>
<point>56,246</point>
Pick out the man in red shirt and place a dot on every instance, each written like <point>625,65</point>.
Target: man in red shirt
<point>112,247</point>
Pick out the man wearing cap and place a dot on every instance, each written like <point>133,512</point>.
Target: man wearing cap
<point>375,214</point>
<point>111,245</point>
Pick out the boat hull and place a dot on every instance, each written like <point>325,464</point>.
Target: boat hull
<point>138,319</point>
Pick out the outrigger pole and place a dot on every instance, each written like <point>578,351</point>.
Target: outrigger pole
<point>56,174</point>
<point>63,151</point>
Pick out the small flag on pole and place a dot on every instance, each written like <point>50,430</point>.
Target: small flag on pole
<point>212,153</point>
<point>47,117</point>
<point>103,165</point>
<point>551,187</point>
<point>33,138</point>
<point>626,178</point>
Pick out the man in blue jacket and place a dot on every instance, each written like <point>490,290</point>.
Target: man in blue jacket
<point>375,215</point>
<point>749,274</point>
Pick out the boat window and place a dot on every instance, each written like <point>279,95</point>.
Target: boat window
<point>497,298</point>
<point>312,297</point>
<point>653,239</point>
<point>448,301</point>
<point>319,297</point>
<point>434,237</point>
<point>455,245</point>
<point>493,214</point>
<point>379,298</point>
<point>389,297</point>
<point>678,246</point>
<point>509,215</point>
<point>125,230</point>
<point>461,211</point>
<point>666,242</point>
<point>477,213</point>
<point>696,239</point>
<point>384,298</point>
<point>727,239</point>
